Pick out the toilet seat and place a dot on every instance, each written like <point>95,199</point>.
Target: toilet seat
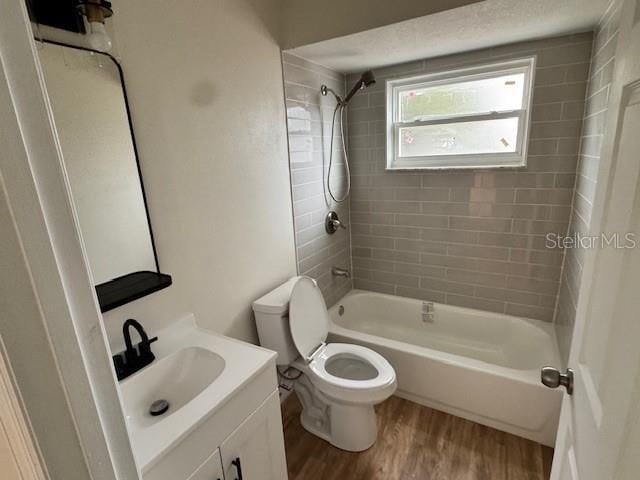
<point>309,325</point>
<point>308,317</point>
<point>371,390</point>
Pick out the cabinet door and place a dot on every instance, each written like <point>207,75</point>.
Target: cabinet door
<point>255,450</point>
<point>211,469</point>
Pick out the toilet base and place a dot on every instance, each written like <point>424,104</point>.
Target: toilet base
<point>346,426</point>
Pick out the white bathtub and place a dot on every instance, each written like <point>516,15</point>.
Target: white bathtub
<point>477,365</point>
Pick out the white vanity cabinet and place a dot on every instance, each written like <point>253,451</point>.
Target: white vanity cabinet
<point>255,450</point>
<point>231,426</point>
<point>252,449</point>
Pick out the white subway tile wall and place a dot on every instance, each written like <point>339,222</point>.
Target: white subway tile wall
<point>600,78</point>
<point>309,119</point>
<point>474,238</point>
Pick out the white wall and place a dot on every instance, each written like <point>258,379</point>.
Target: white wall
<point>310,21</point>
<point>205,86</point>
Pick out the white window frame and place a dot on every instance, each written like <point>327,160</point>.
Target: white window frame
<point>481,160</point>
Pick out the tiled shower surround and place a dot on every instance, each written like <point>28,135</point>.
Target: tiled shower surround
<point>309,116</point>
<point>600,78</point>
<point>474,238</point>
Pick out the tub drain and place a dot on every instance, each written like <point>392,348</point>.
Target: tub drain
<point>158,407</point>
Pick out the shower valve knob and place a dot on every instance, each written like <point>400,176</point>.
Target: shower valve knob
<point>332,223</point>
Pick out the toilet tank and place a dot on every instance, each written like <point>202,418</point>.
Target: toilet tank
<point>272,321</point>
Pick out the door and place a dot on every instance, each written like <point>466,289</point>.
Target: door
<point>255,450</point>
<point>18,457</point>
<point>599,432</point>
<point>211,469</point>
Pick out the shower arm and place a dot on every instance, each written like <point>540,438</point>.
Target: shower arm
<point>360,85</point>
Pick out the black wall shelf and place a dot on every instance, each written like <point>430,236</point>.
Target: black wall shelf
<point>130,287</point>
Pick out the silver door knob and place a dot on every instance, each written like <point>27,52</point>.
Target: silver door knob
<point>553,378</point>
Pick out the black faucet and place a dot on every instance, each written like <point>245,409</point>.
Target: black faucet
<point>134,357</point>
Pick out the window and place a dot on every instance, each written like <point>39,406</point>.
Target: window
<point>476,117</point>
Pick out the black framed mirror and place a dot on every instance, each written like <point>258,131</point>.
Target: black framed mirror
<point>89,101</point>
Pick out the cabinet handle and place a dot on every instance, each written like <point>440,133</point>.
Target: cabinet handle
<point>236,463</point>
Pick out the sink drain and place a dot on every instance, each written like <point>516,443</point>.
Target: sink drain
<point>158,407</point>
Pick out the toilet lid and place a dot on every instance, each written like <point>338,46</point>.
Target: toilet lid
<point>308,316</point>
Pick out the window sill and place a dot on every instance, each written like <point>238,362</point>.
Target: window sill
<point>414,165</point>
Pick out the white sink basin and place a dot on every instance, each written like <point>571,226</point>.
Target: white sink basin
<point>196,371</point>
<point>177,378</point>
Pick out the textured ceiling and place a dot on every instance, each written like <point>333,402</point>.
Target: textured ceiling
<point>480,25</point>
<point>311,21</point>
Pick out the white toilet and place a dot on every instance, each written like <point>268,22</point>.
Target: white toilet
<point>340,382</point>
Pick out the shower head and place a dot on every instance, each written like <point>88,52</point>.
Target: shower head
<point>365,80</point>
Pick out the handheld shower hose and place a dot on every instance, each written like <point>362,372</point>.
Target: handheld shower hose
<point>338,110</point>
<point>365,80</point>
